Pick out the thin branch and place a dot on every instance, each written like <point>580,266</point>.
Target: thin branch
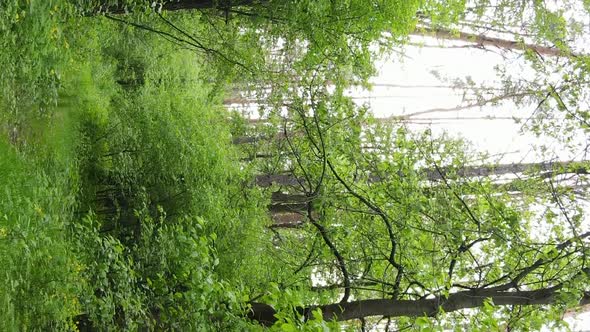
<point>341,264</point>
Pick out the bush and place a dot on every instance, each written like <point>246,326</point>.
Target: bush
<point>39,271</point>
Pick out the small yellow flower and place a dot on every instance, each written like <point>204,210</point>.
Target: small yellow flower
<point>3,232</point>
<point>78,267</point>
<point>54,32</point>
<point>37,207</point>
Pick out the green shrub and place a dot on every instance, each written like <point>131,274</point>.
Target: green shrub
<point>39,277</point>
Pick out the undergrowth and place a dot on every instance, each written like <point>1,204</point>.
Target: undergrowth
<point>123,205</point>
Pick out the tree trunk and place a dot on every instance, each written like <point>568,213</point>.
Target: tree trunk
<point>186,5</point>
<point>264,313</point>
<point>286,207</point>
<point>279,197</point>
<point>481,103</point>
<point>546,168</point>
<point>288,220</point>
<point>266,180</point>
<point>485,41</point>
<point>502,169</point>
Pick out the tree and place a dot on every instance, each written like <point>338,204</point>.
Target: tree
<point>417,308</point>
<point>421,241</point>
<point>547,169</point>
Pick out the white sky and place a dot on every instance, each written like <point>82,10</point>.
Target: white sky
<point>498,135</point>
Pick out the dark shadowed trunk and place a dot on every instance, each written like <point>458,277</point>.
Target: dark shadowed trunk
<point>187,5</point>
<point>264,313</point>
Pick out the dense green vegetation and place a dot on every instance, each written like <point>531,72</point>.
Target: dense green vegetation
<point>124,204</point>
<point>114,147</point>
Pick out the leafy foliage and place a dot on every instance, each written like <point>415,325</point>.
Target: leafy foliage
<point>125,205</point>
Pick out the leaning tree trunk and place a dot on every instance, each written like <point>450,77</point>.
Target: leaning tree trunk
<point>265,314</point>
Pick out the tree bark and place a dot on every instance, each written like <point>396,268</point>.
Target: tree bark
<point>287,220</point>
<point>502,169</point>
<point>286,207</point>
<point>485,41</point>
<point>266,180</point>
<point>264,313</point>
<point>186,5</point>
<point>481,103</point>
<point>547,168</point>
<point>279,197</point>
